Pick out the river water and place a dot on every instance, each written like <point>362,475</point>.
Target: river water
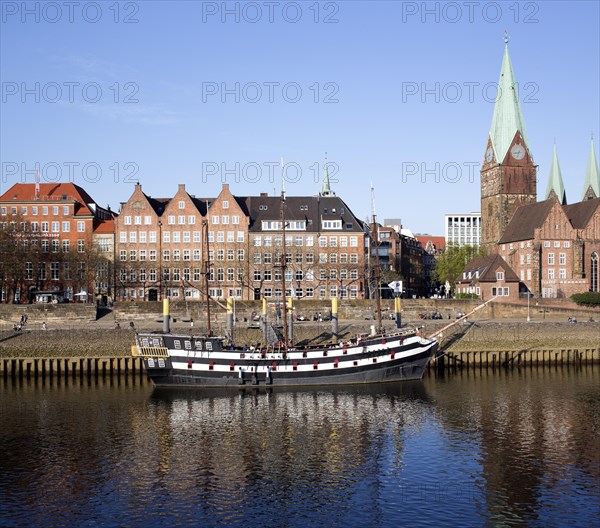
<point>510,448</point>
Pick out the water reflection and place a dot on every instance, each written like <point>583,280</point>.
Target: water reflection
<point>505,448</point>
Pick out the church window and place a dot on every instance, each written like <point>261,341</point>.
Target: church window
<point>594,273</point>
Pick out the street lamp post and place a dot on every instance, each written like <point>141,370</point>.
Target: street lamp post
<point>528,296</point>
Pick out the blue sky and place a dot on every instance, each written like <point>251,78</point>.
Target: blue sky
<point>201,93</point>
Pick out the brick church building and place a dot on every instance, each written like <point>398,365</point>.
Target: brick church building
<point>552,247</point>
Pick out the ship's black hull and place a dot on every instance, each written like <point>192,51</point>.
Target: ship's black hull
<point>374,361</point>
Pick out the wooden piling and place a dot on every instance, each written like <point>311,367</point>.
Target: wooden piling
<point>73,367</point>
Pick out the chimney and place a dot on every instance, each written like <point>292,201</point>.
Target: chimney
<point>225,186</point>
<point>181,187</point>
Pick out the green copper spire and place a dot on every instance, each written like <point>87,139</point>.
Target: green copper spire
<point>556,186</point>
<point>507,119</point>
<point>591,186</point>
<point>326,189</point>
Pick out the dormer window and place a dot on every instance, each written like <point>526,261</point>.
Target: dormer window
<point>332,224</point>
<point>500,275</point>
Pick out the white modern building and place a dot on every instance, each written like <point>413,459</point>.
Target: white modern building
<point>463,229</point>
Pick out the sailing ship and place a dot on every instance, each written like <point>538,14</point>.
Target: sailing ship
<point>213,361</point>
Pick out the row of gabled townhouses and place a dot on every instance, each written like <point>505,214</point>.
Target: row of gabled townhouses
<point>70,248</point>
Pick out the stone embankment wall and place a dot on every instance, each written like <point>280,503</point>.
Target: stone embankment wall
<point>364,310</point>
<point>37,313</point>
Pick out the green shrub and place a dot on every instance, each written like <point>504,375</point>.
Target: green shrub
<point>587,299</point>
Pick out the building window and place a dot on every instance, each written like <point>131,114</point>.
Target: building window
<point>181,204</point>
<point>332,224</point>
<point>551,259</point>
<point>500,275</point>
<point>137,220</point>
<point>562,273</point>
<point>551,273</point>
<point>562,259</point>
<point>81,227</point>
<point>235,220</point>
<point>594,273</point>
<point>80,246</point>
<point>128,220</point>
<point>66,246</point>
<point>147,220</point>
<point>225,204</point>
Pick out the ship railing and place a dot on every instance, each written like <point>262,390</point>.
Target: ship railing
<point>151,351</point>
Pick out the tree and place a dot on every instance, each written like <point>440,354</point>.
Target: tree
<point>450,264</point>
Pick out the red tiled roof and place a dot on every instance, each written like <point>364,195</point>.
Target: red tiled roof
<point>105,227</point>
<point>438,241</point>
<point>49,193</point>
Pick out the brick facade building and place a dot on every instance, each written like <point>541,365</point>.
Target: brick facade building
<point>554,248</point>
<point>165,247</point>
<point>487,277</point>
<point>61,243</point>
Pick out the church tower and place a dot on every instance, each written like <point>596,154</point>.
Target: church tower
<point>508,174</point>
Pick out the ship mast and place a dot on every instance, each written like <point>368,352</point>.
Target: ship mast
<point>283,263</point>
<point>376,270</point>
<point>206,272</point>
